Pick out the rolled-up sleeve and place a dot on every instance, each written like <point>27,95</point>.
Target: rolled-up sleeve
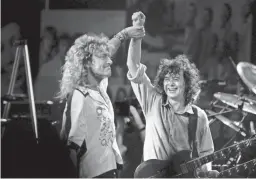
<point>142,88</point>
<point>206,145</point>
<point>78,128</point>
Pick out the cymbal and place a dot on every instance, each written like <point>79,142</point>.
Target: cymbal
<point>236,102</point>
<point>226,121</point>
<point>247,72</point>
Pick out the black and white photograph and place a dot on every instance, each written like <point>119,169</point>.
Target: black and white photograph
<point>128,89</point>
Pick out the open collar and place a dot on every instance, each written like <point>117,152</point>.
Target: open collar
<point>97,93</point>
<point>188,108</point>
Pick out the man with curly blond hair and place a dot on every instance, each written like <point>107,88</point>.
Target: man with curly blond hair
<point>88,120</point>
<point>168,105</point>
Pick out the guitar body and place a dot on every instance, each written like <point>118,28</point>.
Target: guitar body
<point>155,168</point>
<point>181,165</point>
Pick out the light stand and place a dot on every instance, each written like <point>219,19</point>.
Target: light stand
<point>22,47</point>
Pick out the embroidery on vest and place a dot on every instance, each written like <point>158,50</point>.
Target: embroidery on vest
<point>106,127</point>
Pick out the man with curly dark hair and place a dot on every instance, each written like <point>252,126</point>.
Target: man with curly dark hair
<point>168,105</point>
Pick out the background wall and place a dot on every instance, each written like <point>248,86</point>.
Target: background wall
<point>83,21</point>
<point>77,22</point>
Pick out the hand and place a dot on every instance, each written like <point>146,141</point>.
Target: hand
<point>135,32</point>
<point>138,19</point>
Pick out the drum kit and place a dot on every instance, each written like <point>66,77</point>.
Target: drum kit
<point>243,104</point>
<point>233,102</point>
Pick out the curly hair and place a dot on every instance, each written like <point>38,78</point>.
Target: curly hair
<point>74,71</point>
<point>190,72</point>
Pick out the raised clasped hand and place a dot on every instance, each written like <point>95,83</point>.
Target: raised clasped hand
<point>138,19</point>
<point>135,32</point>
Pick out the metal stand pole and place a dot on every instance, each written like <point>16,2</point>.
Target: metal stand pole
<point>22,45</point>
<point>12,82</point>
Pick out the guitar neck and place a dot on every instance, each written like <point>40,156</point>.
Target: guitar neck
<point>247,166</point>
<point>223,153</point>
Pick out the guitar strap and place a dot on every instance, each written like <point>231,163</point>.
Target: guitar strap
<point>192,127</point>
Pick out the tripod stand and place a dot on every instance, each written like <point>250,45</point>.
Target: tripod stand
<point>22,49</point>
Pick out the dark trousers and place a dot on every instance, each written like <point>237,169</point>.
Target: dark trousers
<point>109,174</point>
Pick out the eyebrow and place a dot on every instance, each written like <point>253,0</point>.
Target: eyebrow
<point>103,55</point>
<point>172,76</point>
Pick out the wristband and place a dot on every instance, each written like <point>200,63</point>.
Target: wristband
<point>73,145</point>
<point>121,35</point>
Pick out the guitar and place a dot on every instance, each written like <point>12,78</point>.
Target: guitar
<point>181,165</point>
<point>247,167</point>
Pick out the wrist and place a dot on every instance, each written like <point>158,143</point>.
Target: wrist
<point>125,34</point>
<point>136,40</point>
<point>139,40</point>
<point>122,35</point>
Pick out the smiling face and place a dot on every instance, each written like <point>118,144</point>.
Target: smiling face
<point>174,86</point>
